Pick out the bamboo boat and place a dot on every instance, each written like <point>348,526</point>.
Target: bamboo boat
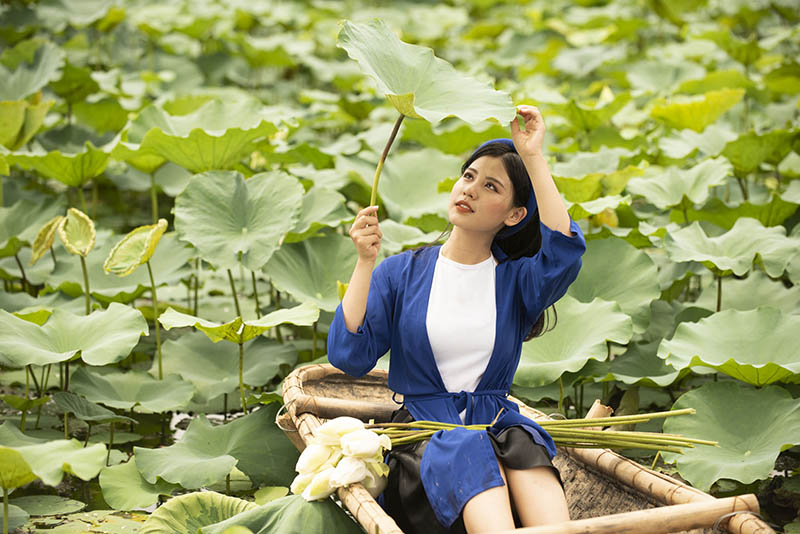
<point>606,492</point>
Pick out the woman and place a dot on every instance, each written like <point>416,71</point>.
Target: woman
<point>455,317</point>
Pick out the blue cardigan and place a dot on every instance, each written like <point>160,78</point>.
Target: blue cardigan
<point>457,464</point>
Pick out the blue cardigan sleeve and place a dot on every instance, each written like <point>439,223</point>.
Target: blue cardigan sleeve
<point>356,353</point>
<point>545,277</point>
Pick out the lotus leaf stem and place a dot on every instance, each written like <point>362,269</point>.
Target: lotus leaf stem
<point>235,297</point>
<point>241,376</point>
<point>22,273</point>
<point>655,460</point>
<point>154,197</point>
<point>86,285</point>
<point>373,197</point>
<point>255,294</point>
<point>196,284</point>
<point>719,292</point>
<point>228,484</point>
<point>560,395</point>
<point>155,319</point>
<point>314,340</point>
<point>82,199</point>
<point>95,197</point>
<point>5,508</point>
<point>110,442</point>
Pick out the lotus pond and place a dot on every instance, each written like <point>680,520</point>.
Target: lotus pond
<point>178,179</point>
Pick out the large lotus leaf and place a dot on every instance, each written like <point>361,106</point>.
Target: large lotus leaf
<point>661,76</point>
<point>49,460</point>
<point>205,454</point>
<point>103,337</point>
<point>125,489</point>
<point>639,365</point>
<point>288,515</point>
<point>416,82</point>
<point>238,331</point>
<point>752,426</point>
<point>86,410</point>
<point>581,210</point>
<point>396,236</point>
<point>21,119</point>
<point>613,270</point>
<point>697,113</point>
<point>187,514</point>
<point>582,332</point>
<point>590,117</point>
<point>309,270</point>
<point>735,250</point>
<point>771,213</point>
<point>750,293</point>
<point>217,135</point>
<point>122,390</point>
<point>16,515</point>
<point>213,368</point>
<point>77,232</point>
<point>226,217</point>
<point>749,150</point>
<point>454,137</point>
<point>30,73</point>
<point>320,208</point>
<point>755,346</point>
<point>169,263</point>
<point>134,249</point>
<point>14,470</point>
<point>409,183</point>
<point>668,188</point>
<point>20,222</point>
<point>710,141</point>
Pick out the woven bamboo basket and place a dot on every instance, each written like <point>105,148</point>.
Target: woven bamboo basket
<point>606,492</point>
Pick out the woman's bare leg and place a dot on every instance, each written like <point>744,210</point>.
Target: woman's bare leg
<point>489,510</point>
<point>538,497</point>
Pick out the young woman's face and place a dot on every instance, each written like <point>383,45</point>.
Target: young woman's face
<point>482,198</point>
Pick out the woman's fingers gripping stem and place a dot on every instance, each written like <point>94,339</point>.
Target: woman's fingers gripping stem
<point>528,141</point>
<point>366,233</point>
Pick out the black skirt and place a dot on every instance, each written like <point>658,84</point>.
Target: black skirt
<point>404,498</point>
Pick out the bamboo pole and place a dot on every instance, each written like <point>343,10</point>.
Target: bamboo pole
<point>662,520</point>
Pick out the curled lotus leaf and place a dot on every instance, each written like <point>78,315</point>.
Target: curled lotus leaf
<point>44,239</point>
<point>37,63</point>
<point>416,82</point>
<point>134,249</point>
<point>77,232</point>
<point>186,514</point>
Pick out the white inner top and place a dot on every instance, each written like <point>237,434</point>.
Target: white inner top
<point>461,321</point>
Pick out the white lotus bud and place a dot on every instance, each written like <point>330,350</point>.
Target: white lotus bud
<point>301,482</point>
<point>312,457</point>
<point>320,486</point>
<point>349,470</point>
<point>331,432</point>
<point>363,443</point>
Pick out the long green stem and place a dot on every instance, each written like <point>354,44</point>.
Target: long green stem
<point>22,273</point>
<point>196,285</point>
<point>82,199</point>
<point>155,319</point>
<point>233,290</point>
<point>314,340</point>
<point>86,285</point>
<point>255,294</point>
<point>719,293</point>
<point>278,334</point>
<point>5,511</point>
<point>27,394</point>
<point>154,197</point>
<point>560,395</point>
<point>373,197</point>
<point>241,376</point>
<point>110,442</point>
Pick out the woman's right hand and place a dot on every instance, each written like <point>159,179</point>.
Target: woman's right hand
<point>366,234</point>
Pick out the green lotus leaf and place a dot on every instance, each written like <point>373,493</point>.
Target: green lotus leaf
<point>710,141</point>
<point>125,391</point>
<point>616,271</point>
<point>754,346</point>
<point>749,150</point>
<point>290,514</point>
<point>27,73</point>
<point>73,155</point>
<point>44,505</point>
<point>20,222</point>
<point>792,193</point>
<point>21,120</point>
<point>451,137</point>
<point>187,514</point>
<point>270,493</point>
<point>169,262</point>
<point>238,331</point>
<point>77,232</point>
<point>668,188</point>
<point>226,217</point>
<point>217,135</point>
<point>76,13</point>
<point>640,365</point>
<point>750,293</point>
<point>416,82</point>
<point>586,118</point>
<point>125,489</point>
<point>213,369</point>
<point>697,113</point>
<point>321,208</point>
<point>658,76</point>
<point>715,80</point>
<point>205,454</point>
<point>45,237</point>
<point>771,213</point>
<point>24,404</point>
<point>16,515</point>
<point>134,249</point>
<point>581,210</point>
<point>86,410</point>
<point>104,115</point>
<point>14,470</point>
<point>752,426</point>
<point>49,460</point>
<point>735,250</point>
<point>309,270</point>
<point>573,341</point>
<point>103,337</point>
<point>744,51</point>
<point>784,79</point>
<point>397,237</point>
<point>75,84</point>
<point>4,169</point>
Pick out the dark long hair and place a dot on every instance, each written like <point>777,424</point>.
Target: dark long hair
<point>527,241</point>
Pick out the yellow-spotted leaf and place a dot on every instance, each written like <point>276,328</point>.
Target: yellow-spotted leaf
<point>697,114</point>
<point>44,239</point>
<point>77,232</point>
<point>134,249</point>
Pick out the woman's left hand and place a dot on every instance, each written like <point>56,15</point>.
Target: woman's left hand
<point>528,142</point>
